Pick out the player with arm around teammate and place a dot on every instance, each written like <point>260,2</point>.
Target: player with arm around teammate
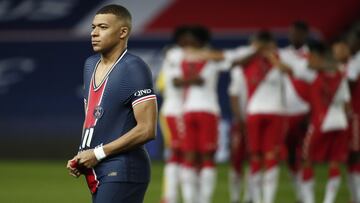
<point>120,114</point>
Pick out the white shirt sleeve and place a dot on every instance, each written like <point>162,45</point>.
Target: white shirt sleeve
<point>345,90</point>
<point>238,53</point>
<point>353,70</point>
<point>235,82</point>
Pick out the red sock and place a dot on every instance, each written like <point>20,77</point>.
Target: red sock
<point>208,164</point>
<point>334,172</point>
<point>269,163</point>
<point>307,173</point>
<point>255,166</point>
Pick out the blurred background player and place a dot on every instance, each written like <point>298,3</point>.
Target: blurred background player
<point>326,140</point>
<point>171,113</point>
<point>201,110</point>
<point>238,154</point>
<point>264,120</point>
<point>353,75</point>
<point>295,56</point>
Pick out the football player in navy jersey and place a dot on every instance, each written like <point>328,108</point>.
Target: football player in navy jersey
<point>120,114</point>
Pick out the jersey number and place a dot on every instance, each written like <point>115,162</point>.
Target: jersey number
<point>87,137</point>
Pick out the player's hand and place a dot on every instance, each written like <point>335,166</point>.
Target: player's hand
<point>72,166</point>
<point>87,158</point>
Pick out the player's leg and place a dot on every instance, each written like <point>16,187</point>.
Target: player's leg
<point>254,130</point>
<point>208,134</point>
<point>353,176</point>
<point>237,156</point>
<point>116,192</point>
<point>353,163</point>
<point>337,155</point>
<point>188,171</point>
<point>273,140</point>
<point>314,149</point>
<point>172,166</point>
<point>294,140</point>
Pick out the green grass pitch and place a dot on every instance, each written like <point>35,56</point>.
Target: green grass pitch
<point>48,181</point>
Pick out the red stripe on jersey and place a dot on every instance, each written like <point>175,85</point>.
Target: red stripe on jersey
<point>322,93</point>
<point>143,99</point>
<point>91,180</point>
<point>94,100</point>
<point>191,69</point>
<point>255,72</point>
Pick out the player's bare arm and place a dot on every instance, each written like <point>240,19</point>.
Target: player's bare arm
<point>145,130</point>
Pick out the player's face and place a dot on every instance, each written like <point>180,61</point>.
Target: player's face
<point>107,32</point>
<point>315,61</point>
<point>341,51</point>
<point>297,37</point>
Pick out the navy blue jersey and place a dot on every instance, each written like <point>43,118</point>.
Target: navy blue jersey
<point>109,115</point>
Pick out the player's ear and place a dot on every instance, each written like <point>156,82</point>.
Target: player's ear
<point>124,32</point>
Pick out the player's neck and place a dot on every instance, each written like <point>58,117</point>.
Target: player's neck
<point>110,57</point>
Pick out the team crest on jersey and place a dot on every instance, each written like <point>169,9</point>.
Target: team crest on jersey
<point>98,112</point>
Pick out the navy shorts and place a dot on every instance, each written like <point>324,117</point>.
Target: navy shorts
<point>120,192</point>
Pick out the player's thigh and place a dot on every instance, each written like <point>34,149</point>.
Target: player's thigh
<point>316,146</point>
<point>338,150</point>
<point>254,130</point>
<point>120,192</point>
<point>208,132</point>
<point>354,133</point>
<point>274,133</point>
<point>189,138</point>
<point>173,127</point>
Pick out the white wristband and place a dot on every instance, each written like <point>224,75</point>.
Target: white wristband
<point>99,153</point>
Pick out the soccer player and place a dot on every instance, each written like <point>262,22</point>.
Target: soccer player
<point>120,114</point>
<point>353,75</point>
<point>171,114</point>
<point>295,56</point>
<point>238,99</point>
<point>326,139</point>
<point>201,110</point>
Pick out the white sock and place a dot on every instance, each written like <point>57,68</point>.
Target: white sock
<point>247,188</point>
<point>188,184</point>
<point>270,184</point>
<point>207,184</point>
<point>357,186</point>
<point>352,186</point>
<point>307,191</point>
<point>255,179</point>
<point>234,185</point>
<point>295,177</point>
<point>332,188</point>
<point>172,171</point>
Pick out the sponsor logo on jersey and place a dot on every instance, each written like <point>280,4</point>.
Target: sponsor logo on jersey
<point>98,112</point>
<point>142,92</point>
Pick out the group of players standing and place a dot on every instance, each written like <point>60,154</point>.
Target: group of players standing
<point>299,104</point>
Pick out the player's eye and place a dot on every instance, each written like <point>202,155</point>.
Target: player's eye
<point>103,27</point>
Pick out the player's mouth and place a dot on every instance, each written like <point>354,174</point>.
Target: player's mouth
<point>95,42</point>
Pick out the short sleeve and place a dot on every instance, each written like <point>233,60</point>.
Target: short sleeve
<point>235,83</point>
<point>345,90</point>
<point>353,70</point>
<point>140,85</point>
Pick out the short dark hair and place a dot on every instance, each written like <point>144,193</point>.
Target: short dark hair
<point>300,25</point>
<point>180,32</point>
<point>318,47</point>
<point>264,36</point>
<point>117,10</point>
<point>201,33</point>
